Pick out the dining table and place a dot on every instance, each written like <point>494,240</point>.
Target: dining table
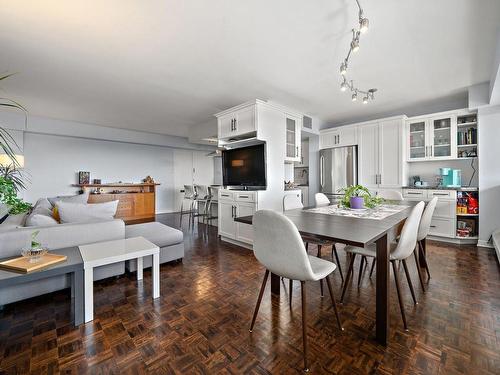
<point>355,231</point>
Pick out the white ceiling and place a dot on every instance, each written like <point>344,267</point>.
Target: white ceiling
<point>164,65</point>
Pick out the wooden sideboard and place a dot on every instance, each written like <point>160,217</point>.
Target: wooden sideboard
<point>136,201</point>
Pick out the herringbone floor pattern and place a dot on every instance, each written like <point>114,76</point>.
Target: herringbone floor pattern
<point>200,323</point>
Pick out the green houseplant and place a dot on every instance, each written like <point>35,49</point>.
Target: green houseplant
<point>358,196</point>
<point>11,178</point>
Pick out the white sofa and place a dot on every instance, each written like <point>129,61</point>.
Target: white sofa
<point>14,236</point>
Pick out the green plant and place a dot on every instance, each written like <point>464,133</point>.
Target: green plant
<point>12,173</point>
<point>8,195</point>
<point>359,191</point>
<point>34,243</point>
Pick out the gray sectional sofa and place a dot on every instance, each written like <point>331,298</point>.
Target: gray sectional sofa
<point>14,236</point>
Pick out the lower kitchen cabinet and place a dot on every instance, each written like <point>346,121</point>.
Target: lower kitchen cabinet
<point>232,204</point>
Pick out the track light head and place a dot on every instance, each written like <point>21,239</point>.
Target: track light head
<point>343,68</point>
<point>354,96</point>
<point>355,45</point>
<point>343,86</point>
<point>365,100</point>
<point>363,24</point>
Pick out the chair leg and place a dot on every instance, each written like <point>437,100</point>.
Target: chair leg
<point>334,303</point>
<point>261,293</point>
<point>334,251</point>
<point>422,254</point>
<point>373,266</point>
<point>401,307</point>
<point>321,281</point>
<point>419,271</point>
<point>348,276</point>
<point>304,323</point>
<point>290,287</point>
<point>363,260</point>
<point>410,284</point>
<point>182,206</point>
<point>307,246</point>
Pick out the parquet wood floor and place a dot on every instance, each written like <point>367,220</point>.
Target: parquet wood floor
<point>200,323</point>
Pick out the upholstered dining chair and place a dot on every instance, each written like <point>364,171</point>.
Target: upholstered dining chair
<point>390,195</point>
<point>292,202</point>
<point>201,200</point>
<point>279,247</point>
<point>423,232</point>
<point>400,250</point>
<point>321,199</point>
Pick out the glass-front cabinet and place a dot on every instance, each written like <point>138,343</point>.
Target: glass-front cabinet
<point>432,138</point>
<point>417,132</point>
<point>293,134</point>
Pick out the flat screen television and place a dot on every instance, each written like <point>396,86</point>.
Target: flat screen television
<point>245,166</point>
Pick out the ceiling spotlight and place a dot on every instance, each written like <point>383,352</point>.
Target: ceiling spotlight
<point>363,24</point>
<point>343,68</point>
<point>343,86</point>
<point>354,96</point>
<point>355,45</point>
<point>365,100</point>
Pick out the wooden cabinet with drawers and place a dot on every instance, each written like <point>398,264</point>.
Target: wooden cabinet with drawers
<point>136,201</point>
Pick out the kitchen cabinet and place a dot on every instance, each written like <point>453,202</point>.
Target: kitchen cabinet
<point>238,123</point>
<point>234,203</point>
<point>443,221</point>
<point>304,151</point>
<point>432,137</point>
<point>380,154</point>
<point>338,137</point>
<point>293,133</point>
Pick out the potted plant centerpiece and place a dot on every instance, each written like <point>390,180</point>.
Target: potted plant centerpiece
<point>358,197</point>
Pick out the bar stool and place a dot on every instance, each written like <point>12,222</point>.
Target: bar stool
<point>200,200</point>
<point>213,198</point>
<point>190,196</point>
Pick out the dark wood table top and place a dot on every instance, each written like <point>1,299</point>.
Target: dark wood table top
<point>349,230</point>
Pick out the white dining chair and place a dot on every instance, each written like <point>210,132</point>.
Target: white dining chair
<point>423,232</point>
<point>293,202</point>
<point>390,195</point>
<point>400,250</point>
<point>321,199</point>
<point>279,247</point>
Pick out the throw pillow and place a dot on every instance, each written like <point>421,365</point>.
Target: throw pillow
<point>55,214</point>
<point>81,213</point>
<point>40,220</point>
<point>79,198</point>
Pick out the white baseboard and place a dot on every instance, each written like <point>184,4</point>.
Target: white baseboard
<point>482,243</point>
<point>237,243</point>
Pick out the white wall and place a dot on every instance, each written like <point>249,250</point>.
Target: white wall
<point>489,172</point>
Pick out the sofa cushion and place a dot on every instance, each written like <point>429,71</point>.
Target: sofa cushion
<point>85,213</point>
<point>40,220</point>
<point>13,222</point>
<point>79,198</point>
<point>42,204</point>
<point>158,233</point>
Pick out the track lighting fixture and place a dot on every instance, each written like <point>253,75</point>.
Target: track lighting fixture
<point>354,47</point>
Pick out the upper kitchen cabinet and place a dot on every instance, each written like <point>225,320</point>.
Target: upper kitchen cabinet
<point>380,148</point>
<point>304,151</point>
<point>432,137</point>
<point>293,134</point>
<point>240,122</point>
<point>338,137</point>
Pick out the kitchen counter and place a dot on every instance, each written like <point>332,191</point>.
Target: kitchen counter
<point>463,188</point>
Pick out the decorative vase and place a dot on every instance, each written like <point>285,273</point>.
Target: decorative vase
<point>357,203</point>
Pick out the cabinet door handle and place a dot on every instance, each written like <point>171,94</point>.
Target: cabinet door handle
<point>296,151</point>
<point>441,194</point>
<point>244,196</point>
<point>433,226</point>
<point>413,193</point>
<point>235,124</point>
<point>231,124</point>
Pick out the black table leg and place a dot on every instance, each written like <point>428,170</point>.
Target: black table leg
<point>382,314</point>
<point>275,284</point>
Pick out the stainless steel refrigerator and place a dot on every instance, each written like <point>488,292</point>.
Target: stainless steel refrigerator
<point>338,168</point>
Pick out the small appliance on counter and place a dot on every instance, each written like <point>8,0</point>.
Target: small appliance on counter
<point>450,177</point>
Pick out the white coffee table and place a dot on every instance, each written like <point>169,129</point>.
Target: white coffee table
<point>104,253</point>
